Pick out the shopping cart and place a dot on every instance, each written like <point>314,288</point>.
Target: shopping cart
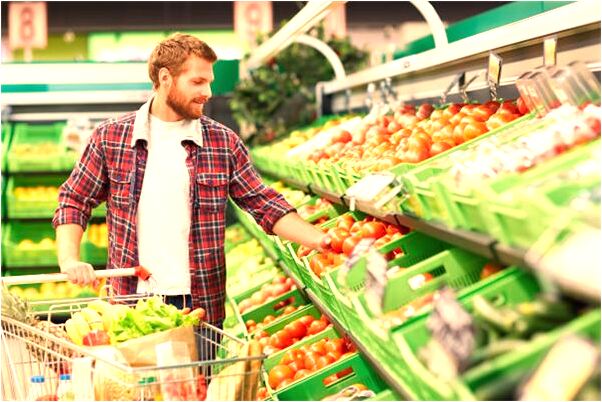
<point>41,348</point>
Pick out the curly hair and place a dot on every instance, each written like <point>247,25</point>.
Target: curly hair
<point>173,52</point>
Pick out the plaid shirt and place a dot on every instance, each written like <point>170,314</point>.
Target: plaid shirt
<point>112,169</point>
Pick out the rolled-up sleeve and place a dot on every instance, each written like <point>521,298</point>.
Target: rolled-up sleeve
<point>85,188</point>
<point>265,204</point>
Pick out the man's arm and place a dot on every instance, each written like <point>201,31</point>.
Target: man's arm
<point>292,227</point>
<point>269,208</point>
<point>85,188</point>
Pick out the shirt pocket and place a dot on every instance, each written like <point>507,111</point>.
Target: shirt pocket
<point>212,191</point>
<point>120,188</point>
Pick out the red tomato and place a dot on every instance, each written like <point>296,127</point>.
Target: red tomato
<point>278,374</point>
<point>288,357</point>
<point>330,379</point>
<point>310,361</point>
<point>285,383</point>
<point>250,323</point>
<point>289,309</point>
<point>490,269</point>
<point>345,222</point>
<point>481,113</point>
<point>302,373</point>
<point>337,236</point>
<point>349,244</point>
<point>307,320</point>
<point>334,355</point>
<point>280,340</point>
<point>323,361</point>
<point>374,230</point>
<point>296,329</point>
<point>262,393</point>
<point>522,105</point>
<point>439,147</point>
<point>316,327</point>
<point>297,365</point>
<point>342,136</point>
<point>345,372</point>
<point>474,130</point>
<point>268,319</point>
<point>318,348</point>
<point>335,345</point>
<point>509,106</point>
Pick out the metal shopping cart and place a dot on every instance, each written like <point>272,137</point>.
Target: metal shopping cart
<point>31,347</point>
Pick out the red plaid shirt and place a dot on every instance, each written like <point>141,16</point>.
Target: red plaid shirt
<point>112,169</point>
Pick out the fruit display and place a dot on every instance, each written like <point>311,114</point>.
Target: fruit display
<point>293,332</point>
<point>297,363</point>
<point>253,326</point>
<point>44,244</point>
<point>98,234</point>
<point>495,156</point>
<point>36,193</point>
<point>269,291</point>
<point>42,150</point>
<point>298,137</point>
<point>307,210</point>
<point>54,290</point>
<point>294,197</point>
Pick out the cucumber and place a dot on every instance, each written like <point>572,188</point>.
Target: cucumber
<point>501,319</point>
<point>495,349</point>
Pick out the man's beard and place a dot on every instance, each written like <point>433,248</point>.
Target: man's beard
<point>179,105</point>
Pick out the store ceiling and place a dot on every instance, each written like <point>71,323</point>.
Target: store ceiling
<point>169,15</point>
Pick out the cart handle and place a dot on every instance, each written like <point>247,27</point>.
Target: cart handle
<point>139,271</point>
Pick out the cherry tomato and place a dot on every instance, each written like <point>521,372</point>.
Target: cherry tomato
<point>349,244</point>
<point>296,329</point>
<point>307,320</point>
<point>374,230</point>
<point>316,327</point>
<point>323,361</point>
<point>278,374</point>
<point>310,360</point>
<point>337,236</point>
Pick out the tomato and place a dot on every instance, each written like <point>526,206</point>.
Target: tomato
<point>356,227</point>
<point>310,360</point>
<point>296,329</point>
<point>374,230</point>
<point>334,355</point>
<point>335,345</point>
<point>509,106</point>
<point>307,320</point>
<point>280,340</point>
<point>289,309</point>
<point>424,111</point>
<point>297,365</point>
<point>325,319</point>
<point>458,134</point>
<point>452,110</point>
<point>268,319</point>
<point>474,130</point>
<point>278,374</point>
<point>439,147</point>
<point>337,236</point>
<point>302,373</point>
<point>262,393</point>
<point>318,348</point>
<point>343,136</point>
<point>344,373</point>
<point>481,113</point>
<point>323,361</point>
<point>490,269</point>
<point>345,222</point>
<point>288,356</point>
<point>415,155</point>
<point>318,264</point>
<point>250,323</point>
<point>349,244</point>
<point>316,327</point>
<point>393,127</point>
<point>492,105</point>
<point>521,105</point>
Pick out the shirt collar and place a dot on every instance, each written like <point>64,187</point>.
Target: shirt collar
<point>142,126</point>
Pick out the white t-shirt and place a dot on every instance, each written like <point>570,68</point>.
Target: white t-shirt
<point>163,216</point>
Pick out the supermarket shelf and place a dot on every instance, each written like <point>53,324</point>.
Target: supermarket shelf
<point>328,195</point>
<point>510,255</point>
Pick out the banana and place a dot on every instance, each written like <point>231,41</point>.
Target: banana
<point>100,306</point>
<point>77,328</point>
<point>93,319</point>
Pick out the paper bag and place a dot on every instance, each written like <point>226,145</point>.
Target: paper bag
<point>140,352</point>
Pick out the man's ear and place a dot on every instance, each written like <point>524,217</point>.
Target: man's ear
<point>165,78</point>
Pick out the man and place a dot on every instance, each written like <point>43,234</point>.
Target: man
<point>166,172</point>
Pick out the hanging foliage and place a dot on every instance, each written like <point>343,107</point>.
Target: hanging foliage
<point>279,95</point>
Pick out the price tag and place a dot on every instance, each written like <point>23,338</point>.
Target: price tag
<point>376,281</point>
<point>453,333</point>
<point>549,51</point>
<point>375,189</point>
<point>494,73</point>
<point>458,80</point>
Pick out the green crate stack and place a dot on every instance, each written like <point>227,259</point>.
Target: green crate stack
<point>273,307</point>
<point>18,252</point>
<point>512,286</point>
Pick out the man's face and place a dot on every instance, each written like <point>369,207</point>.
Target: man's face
<point>192,88</point>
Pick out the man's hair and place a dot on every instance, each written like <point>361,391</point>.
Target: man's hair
<point>172,52</point>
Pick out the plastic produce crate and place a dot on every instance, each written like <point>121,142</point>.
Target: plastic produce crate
<point>258,313</point>
<point>7,131</point>
<point>41,251</point>
<point>312,388</point>
<point>514,286</point>
<point>416,247</point>
<point>517,215</point>
<point>43,208</point>
<point>25,135</point>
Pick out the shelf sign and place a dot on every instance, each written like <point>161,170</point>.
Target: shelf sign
<point>453,334</point>
<point>27,25</point>
<point>250,19</point>
<point>549,51</point>
<point>375,189</point>
<point>494,73</point>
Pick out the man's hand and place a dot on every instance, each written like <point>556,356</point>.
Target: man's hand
<point>324,244</point>
<point>80,273</point>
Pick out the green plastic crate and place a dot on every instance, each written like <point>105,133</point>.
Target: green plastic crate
<point>7,131</point>
<point>281,321</point>
<point>31,134</point>
<point>416,247</point>
<point>515,286</point>
<point>517,215</point>
<point>386,395</point>
<point>422,198</point>
<point>258,313</point>
<point>17,254</point>
<point>18,208</point>
<point>312,387</point>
